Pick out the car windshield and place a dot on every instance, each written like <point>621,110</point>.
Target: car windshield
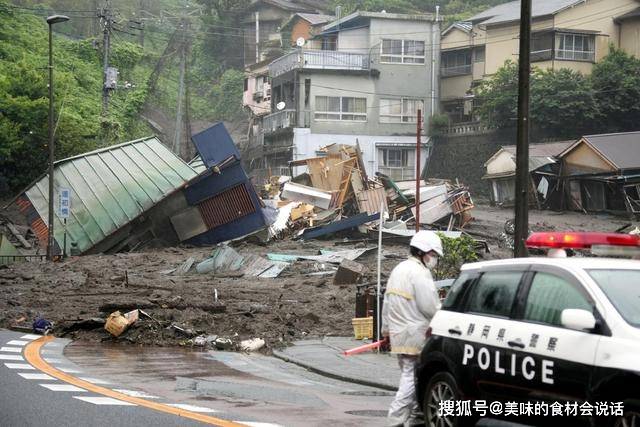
<point>622,287</point>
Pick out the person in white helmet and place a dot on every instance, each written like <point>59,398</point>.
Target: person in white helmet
<point>410,302</point>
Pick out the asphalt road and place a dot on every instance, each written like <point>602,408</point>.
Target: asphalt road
<point>251,390</point>
<point>26,402</point>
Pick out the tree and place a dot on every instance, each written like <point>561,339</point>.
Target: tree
<point>616,85</point>
<point>562,101</point>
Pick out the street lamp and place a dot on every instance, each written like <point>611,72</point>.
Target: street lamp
<point>51,20</point>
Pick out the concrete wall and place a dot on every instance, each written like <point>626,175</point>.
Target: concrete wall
<point>455,87</point>
<point>307,143</point>
<point>354,40</point>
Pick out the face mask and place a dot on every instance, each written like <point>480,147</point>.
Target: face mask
<point>432,262</point>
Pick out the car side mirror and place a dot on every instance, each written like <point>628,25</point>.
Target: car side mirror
<point>581,320</point>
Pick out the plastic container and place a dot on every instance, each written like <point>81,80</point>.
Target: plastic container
<point>362,327</point>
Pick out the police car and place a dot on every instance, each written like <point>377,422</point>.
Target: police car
<point>539,330</point>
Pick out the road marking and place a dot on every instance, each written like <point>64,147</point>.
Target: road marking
<point>258,424</point>
<point>19,366</point>
<point>32,354</point>
<point>53,360</point>
<point>193,408</point>
<point>70,370</point>
<point>17,342</point>
<point>63,387</point>
<point>30,337</point>
<point>10,357</point>
<point>95,380</point>
<point>134,393</point>
<point>11,349</point>
<point>31,376</point>
<point>103,400</point>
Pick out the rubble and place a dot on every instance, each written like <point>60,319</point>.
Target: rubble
<point>349,272</point>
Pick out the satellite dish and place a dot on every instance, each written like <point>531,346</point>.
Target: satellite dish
<point>280,106</point>
<point>300,42</point>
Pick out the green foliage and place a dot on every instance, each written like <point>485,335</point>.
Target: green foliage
<point>225,98</point>
<point>125,56</point>
<point>565,103</point>
<point>562,102</point>
<point>439,123</point>
<point>456,253</point>
<point>616,85</point>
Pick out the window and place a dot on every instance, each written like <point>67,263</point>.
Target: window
<point>400,110</point>
<point>259,84</point>
<point>246,85</point>
<point>541,46</point>
<point>341,108</point>
<point>621,287</point>
<point>457,290</point>
<point>494,293</point>
<point>456,63</point>
<point>307,92</point>
<point>395,157</point>
<point>402,51</point>
<point>549,295</point>
<point>479,54</point>
<point>575,47</point>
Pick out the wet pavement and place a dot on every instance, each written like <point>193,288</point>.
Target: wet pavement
<point>248,386</point>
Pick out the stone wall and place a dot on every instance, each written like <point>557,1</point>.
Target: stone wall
<point>463,157</point>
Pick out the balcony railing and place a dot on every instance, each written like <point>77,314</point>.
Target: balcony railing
<point>541,55</point>
<point>285,119</point>
<point>319,60</point>
<point>459,70</point>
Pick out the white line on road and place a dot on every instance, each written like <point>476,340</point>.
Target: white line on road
<point>17,342</point>
<point>94,380</point>
<point>30,337</point>
<point>11,357</point>
<point>257,424</point>
<point>63,387</point>
<point>192,408</point>
<point>103,401</point>
<point>69,370</point>
<point>134,393</point>
<point>19,366</point>
<point>31,376</point>
<point>53,360</point>
<point>11,349</point>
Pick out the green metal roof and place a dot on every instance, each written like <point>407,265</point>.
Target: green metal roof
<point>109,188</point>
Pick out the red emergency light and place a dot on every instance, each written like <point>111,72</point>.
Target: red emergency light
<point>580,240</point>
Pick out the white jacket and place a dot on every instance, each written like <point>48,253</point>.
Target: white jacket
<point>410,302</point>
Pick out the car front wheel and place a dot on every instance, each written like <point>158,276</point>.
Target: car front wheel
<point>441,387</point>
<point>631,416</point>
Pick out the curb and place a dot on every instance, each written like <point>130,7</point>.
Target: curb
<point>332,374</point>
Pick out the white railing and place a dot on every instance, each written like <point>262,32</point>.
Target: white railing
<point>279,120</point>
<point>465,128</point>
<point>398,173</point>
<point>319,60</point>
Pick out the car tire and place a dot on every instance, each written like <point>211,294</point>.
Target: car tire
<point>631,416</point>
<point>442,386</point>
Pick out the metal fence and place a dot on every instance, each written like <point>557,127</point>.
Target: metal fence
<point>319,60</point>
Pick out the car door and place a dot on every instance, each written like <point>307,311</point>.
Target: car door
<point>480,332</point>
<point>552,362</point>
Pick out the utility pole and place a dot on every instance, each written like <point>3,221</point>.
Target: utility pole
<point>177,139</point>
<point>522,144</point>
<point>107,22</point>
<point>257,36</point>
<point>418,177</point>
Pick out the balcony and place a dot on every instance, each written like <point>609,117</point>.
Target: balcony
<point>319,60</point>
<point>285,119</point>
<point>460,70</point>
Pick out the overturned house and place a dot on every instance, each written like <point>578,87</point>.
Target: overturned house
<point>601,173</point>
<point>139,193</point>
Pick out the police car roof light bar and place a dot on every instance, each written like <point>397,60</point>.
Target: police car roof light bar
<point>580,240</point>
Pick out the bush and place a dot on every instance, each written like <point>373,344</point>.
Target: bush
<point>456,253</point>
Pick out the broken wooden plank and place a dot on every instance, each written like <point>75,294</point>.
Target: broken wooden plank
<point>18,236</point>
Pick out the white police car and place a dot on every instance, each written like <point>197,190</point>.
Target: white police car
<point>552,330</point>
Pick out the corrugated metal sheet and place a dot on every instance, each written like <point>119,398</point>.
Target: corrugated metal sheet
<point>109,188</point>
<point>369,200</point>
<point>226,207</point>
<point>197,164</point>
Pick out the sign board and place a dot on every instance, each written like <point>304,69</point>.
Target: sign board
<point>65,203</point>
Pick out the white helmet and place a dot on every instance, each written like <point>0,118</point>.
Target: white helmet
<point>427,241</point>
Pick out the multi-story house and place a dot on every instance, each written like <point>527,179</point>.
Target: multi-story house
<point>266,18</point>
<point>374,71</point>
<point>571,34</point>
